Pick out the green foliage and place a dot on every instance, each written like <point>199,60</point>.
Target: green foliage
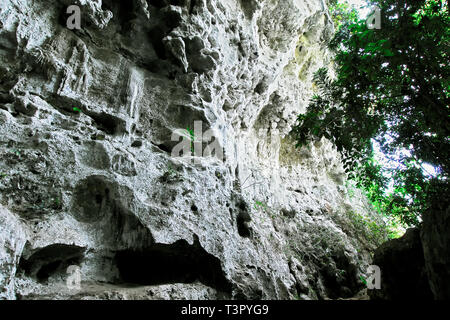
<point>192,137</point>
<point>219,175</point>
<point>342,13</point>
<point>170,170</point>
<point>171,175</point>
<point>350,190</point>
<point>369,228</point>
<point>259,205</point>
<point>45,204</point>
<point>392,88</point>
<point>16,152</point>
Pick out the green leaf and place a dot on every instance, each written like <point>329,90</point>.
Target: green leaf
<point>388,53</point>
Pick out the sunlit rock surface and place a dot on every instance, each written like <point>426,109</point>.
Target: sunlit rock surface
<point>88,173</point>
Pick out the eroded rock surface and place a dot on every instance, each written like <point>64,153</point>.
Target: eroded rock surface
<point>88,171</point>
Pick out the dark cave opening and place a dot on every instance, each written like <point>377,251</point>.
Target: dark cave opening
<point>124,12</point>
<point>165,147</point>
<point>243,219</point>
<point>192,6</point>
<point>47,270</point>
<point>156,36</point>
<point>158,3</point>
<point>171,263</point>
<point>180,3</point>
<point>51,260</point>
<point>108,123</point>
<point>340,276</point>
<point>243,229</point>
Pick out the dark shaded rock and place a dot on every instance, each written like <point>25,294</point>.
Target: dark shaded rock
<point>175,263</point>
<point>402,267</point>
<point>436,248</point>
<point>51,259</point>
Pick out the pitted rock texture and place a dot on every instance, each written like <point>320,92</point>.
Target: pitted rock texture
<point>88,173</point>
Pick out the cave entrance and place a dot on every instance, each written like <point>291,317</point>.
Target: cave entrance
<point>51,260</point>
<point>171,263</point>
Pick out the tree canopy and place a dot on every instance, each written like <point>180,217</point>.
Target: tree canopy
<point>391,90</point>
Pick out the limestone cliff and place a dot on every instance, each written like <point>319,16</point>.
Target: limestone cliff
<point>88,172</point>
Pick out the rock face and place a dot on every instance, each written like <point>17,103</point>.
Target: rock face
<point>402,265</point>
<point>92,176</point>
<point>436,248</point>
<point>417,266</point>
<point>12,241</point>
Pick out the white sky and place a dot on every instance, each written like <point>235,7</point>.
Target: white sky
<point>364,11</point>
<point>360,5</point>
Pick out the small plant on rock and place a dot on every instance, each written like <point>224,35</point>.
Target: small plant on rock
<point>192,138</point>
<point>170,176</point>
